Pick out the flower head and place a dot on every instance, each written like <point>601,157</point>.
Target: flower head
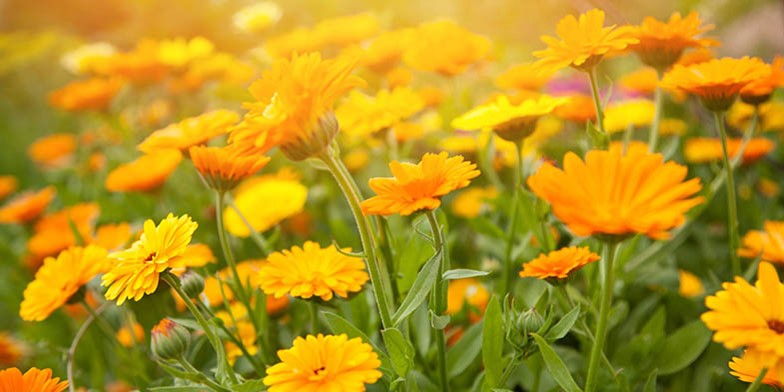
<point>26,206</point>
<point>511,122</point>
<point>768,244</point>
<point>706,149</point>
<point>747,367</point>
<point>468,291</point>
<point>189,132</point>
<point>662,43</point>
<point>128,336</point>
<point>558,264</point>
<point>8,185</point>
<point>91,94</point>
<point>34,380</point>
<point>136,271</point>
<point>224,167</point>
<point>53,151</point>
<point>265,201</point>
<point>55,232</point>
<point>637,113</point>
<point>144,173</point>
<point>617,194</point>
<point>525,77</point>
<point>257,17</point>
<point>361,115</point>
<point>690,285</point>
<point>760,90</point>
<point>445,47</point>
<point>470,203</point>
<point>579,108</point>
<point>324,363</point>
<point>418,186</point>
<point>10,350</point>
<point>312,271</point>
<point>583,42</point>
<point>386,50</point>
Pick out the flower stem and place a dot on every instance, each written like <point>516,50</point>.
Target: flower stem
<point>260,241</point>
<point>313,308</point>
<point>506,281</point>
<point>608,267</point>
<point>597,104</point>
<point>658,102</point>
<point>75,343</point>
<point>732,206</point>
<point>757,381</point>
<point>105,327</point>
<point>200,376</point>
<point>439,295</point>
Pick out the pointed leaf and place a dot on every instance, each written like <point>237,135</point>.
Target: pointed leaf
<point>419,290</point>
<point>682,347</point>
<point>400,350</point>
<point>493,343</point>
<point>556,366</point>
<point>564,325</point>
<point>460,356</point>
<point>463,273</point>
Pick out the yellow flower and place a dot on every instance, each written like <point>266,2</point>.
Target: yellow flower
<point>55,232</point>
<point>386,50</point>
<point>265,201</point>
<point>614,194</point>
<point>136,271</point>
<point>579,108</point>
<point>467,291</point>
<point>672,126</point>
<point>112,236</point>
<point>257,17</point>
<point>8,185</point>
<point>179,52</point>
<point>750,316</point>
<point>189,132</point>
<point>690,285</point>
<point>704,149</point>
<point>324,363</point>
<point>768,244</point>
<point>748,367</point>
<point>418,186</point>
<point>141,65</point>
<point>247,335</point>
<point>361,115</point>
<point>26,206</point>
<point>312,271</point>
<point>637,113</point>
<point>80,60</point>
<point>524,77</point>
<point>34,380</point>
<point>224,167</point>
<point>760,90</point>
<point>470,203</point>
<point>558,264</point>
<point>662,43</point>
<point>130,336</point>
<point>144,173</point>
<point>445,47</point>
<point>346,30</point>
<point>642,81</point>
<point>53,151</point>
<point>91,94</point>
<point>59,279</point>
<point>511,122</point>
<point>583,42</point>
<point>194,256</point>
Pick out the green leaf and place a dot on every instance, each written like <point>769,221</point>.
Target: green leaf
<point>460,356</point>
<point>463,273</point>
<point>650,385</point>
<point>682,347</point>
<point>564,325</point>
<point>419,290</point>
<point>400,350</point>
<point>493,343</point>
<point>556,366</point>
<point>485,226</point>
<point>339,325</point>
<point>599,140</point>
<point>179,389</point>
<point>439,322</point>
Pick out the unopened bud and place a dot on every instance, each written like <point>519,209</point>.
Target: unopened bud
<point>192,284</point>
<point>169,339</point>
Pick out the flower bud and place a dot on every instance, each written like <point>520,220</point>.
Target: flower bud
<point>312,141</point>
<point>529,321</point>
<point>169,339</point>
<point>192,284</point>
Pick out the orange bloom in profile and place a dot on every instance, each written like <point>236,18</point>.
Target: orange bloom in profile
<point>91,94</point>
<point>130,336</point>
<point>34,380</point>
<point>662,43</point>
<point>189,132</point>
<point>748,367</point>
<point>418,186</point>
<point>615,194</point>
<point>386,50</point>
<point>224,167</point>
<point>760,90</point>
<point>26,206</point>
<point>144,173</point>
<point>642,81</point>
<point>142,65</point>
<point>578,108</point>
<point>112,236</point>
<point>467,291</point>
<point>767,244</point>
<point>524,77</point>
<point>706,149</point>
<point>716,82</point>
<point>53,151</point>
<point>10,350</point>
<point>582,43</point>
<point>558,264</point>
<point>445,47</point>
<point>8,186</point>
<point>55,232</point>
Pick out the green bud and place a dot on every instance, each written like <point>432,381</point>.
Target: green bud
<point>169,340</point>
<point>192,283</point>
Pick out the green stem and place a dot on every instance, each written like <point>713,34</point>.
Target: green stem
<point>732,204</point>
<point>608,269</point>
<point>260,241</point>
<point>439,296</point>
<point>105,327</point>
<point>506,282</point>
<point>75,343</point>
<point>510,367</point>
<point>653,136</point>
<point>313,310</point>
<point>757,381</point>
<point>201,376</point>
<point>597,101</point>
<point>254,361</point>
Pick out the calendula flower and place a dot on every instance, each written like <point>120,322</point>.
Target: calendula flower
<point>265,201</point>
<point>34,380</point>
<point>224,167</point>
<point>660,44</point>
<point>247,335</point>
<point>112,236</point>
<point>53,151</point>
<point>690,285</point>
<point>760,90</point>
<point>748,367</point>
<point>716,82</point>
<point>525,77</point>
<point>642,81</point>
<point>745,315</point>
<point>705,149</point>
<point>418,186</point>
<point>470,203</point>
<point>55,232</point>
<point>179,52</point>
<point>144,173</point>
<point>672,126</point>
<point>8,185</point>
<point>91,94</point>
<point>617,194</point>
<point>194,256</point>
<point>345,30</point>
<point>80,60</point>
<point>189,132</point>
<point>768,244</point>
<point>558,264</point>
<point>10,350</point>
<point>578,108</point>
<point>324,363</point>
<point>59,279</point>
<point>130,336</point>
<point>510,122</point>
<point>26,206</point>
<point>136,271</point>
<point>468,291</point>
<point>294,104</point>
<point>312,271</point>
<point>386,50</point>
<point>582,43</point>
<point>361,115</point>
<point>620,115</point>
<point>445,47</point>
<point>142,65</point>
<point>257,17</point>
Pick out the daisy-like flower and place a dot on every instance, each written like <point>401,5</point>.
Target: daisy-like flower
<point>524,77</point>
<point>386,50</point>
<point>662,43</point>
<point>53,151</point>
<point>361,115</point>
<point>747,367</point>
<point>26,206</point>
<point>768,244</point>
<point>510,122</point>
<point>224,167</point>
<point>558,264</point>
<point>578,108</point>
<point>760,90</point>
<point>91,94</point>
<point>247,335</point>
<point>582,43</point>
<point>189,132</point>
<point>59,279</point>
<point>265,201</point>
<point>129,336</point>
<point>445,47</point>
<point>706,149</point>
<point>324,363</point>
<point>749,316</point>
<point>470,203</point>
<point>54,232</point>
<point>257,17</point>
<point>136,271</point>
<point>34,380</point>
<point>418,186</point>
<point>8,185</point>
<point>615,194</point>
<point>637,113</point>
<point>689,285</point>
<point>294,104</point>
<point>312,271</point>
<point>144,173</point>
<point>468,291</point>
<point>716,82</point>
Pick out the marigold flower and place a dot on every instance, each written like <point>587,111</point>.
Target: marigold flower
<point>582,43</point>
<point>662,43</point>
<point>8,185</point>
<point>748,367</point>
<point>745,315</point>
<point>34,380</point>
<point>80,60</point>
<point>53,151</point>
<point>467,291</point>
<point>760,90</point>
<point>347,29</point>
<point>386,50</point>
<point>26,206</point>
<point>620,115</point>
<point>579,108</point>
<point>257,17</point>
<point>361,115</point>
<point>136,271</point>
<point>59,279</point>
<point>524,77</point>
<point>312,271</point>
<point>705,149</point>
<point>247,335</point>
<point>324,363</point>
<point>142,65</point>
<point>194,256</point>
<point>558,264</point>
<point>470,203</point>
<point>91,94</point>
<point>615,194</point>
<point>10,350</point>
<point>224,167</point>
<point>189,132</point>
<point>716,82</point>
<point>144,173</point>
<point>179,52</point>
<point>768,244</point>
<point>445,47</point>
<point>265,201</point>
<point>55,232</point>
<point>672,126</point>
<point>112,236</point>
<point>418,186</point>
<point>130,336</point>
<point>642,81</point>
<point>690,285</point>
<point>510,122</point>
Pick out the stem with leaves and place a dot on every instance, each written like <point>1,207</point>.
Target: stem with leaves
<point>597,103</point>
<point>732,204</point>
<point>608,282</point>
<point>653,136</point>
<point>506,280</point>
<point>439,295</point>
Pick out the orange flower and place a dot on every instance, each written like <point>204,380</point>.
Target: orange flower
<point>579,109</point>
<point>748,367</point>
<point>583,42</point>
<point>662,43</point>
<point>130,336</point>
<point>386,50</point>
<point>91,94</point>
<point>759,91</point>
<point>10,350</point>
<point>55,232</point>
<point>614,194</point>
<point>34,380</point>
<point>53,151</point>
<point>524,76</point>
<point>705,149</point>
<point>716,82</point>
<point>418,186</point>
<point>767,244</point>
<point>8,186</point>
<point>642,81</point>
<point>446,48</point>
<point>224,167</point>
<point>189,132</point>
<point>142,65</point>
<point>112,236</point>
<point>467,291</point>
<point>26,206</point>
<point>558,264</point>
<point>144,173</point>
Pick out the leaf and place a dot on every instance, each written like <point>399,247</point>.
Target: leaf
<point>564,325</point>
<point>179,389</point>
<point>556,366</point>
<point>401,352</point>
<point>650,385</point>
<point>460,356</point>
<point>682,347</point>
<point>485,226</point>
<point>419,290</point>
<point>439,322</point>
<point>493,343</point>
<point>339,325</point>
<point>463,273</point>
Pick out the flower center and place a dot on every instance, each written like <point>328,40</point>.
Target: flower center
<point>777,326</point>
<point>150,256</point>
